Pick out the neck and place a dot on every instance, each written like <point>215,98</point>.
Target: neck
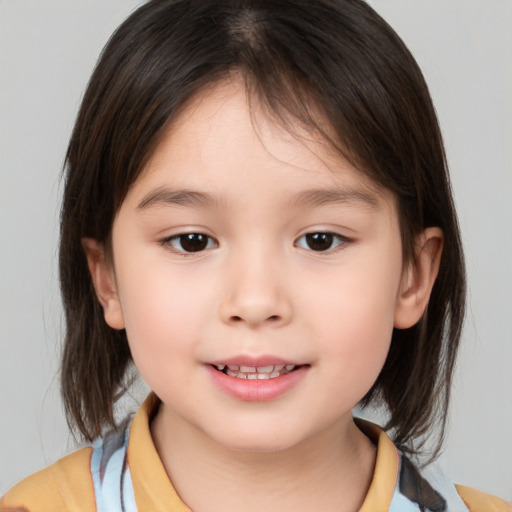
<point>331,470</point>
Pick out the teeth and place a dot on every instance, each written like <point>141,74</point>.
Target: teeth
<point>237,375</point>
<point>265,369</point>
<point>255,372</point>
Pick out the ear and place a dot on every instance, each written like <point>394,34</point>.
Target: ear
<point>103,279</point>
<point>418,278</point>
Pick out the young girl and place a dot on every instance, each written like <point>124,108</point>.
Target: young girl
<point>257,215</point>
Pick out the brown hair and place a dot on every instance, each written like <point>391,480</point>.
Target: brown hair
<point>299,58</point>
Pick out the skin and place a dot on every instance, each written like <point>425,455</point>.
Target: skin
<point>258,289</point>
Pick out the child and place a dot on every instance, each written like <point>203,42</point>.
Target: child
<point>257,213</point>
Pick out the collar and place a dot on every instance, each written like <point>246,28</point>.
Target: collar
<point>154,491</point>
<point>151,485</point>
<point>385,474</point>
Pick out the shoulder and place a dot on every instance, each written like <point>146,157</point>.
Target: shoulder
<point>428,488</point>
<point>65,485</point>
<point>478,501</point>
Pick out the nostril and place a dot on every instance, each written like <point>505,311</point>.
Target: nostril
<point>238,319</point>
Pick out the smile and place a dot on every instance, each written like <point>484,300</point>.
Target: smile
<point>255,372</point>
<point>256,379</point>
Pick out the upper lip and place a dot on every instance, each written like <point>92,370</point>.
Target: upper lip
<point>256,361</point>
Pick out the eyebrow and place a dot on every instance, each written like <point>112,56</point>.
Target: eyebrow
<point>321,197</point>
<point>163,196</point>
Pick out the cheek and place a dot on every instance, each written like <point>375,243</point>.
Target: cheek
<point>354,313</point>
<point>163,313</point>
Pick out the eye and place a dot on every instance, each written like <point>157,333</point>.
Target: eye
<point>190,242</point>
<point>320,241</point>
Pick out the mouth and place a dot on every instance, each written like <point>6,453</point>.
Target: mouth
<point>255,372</point>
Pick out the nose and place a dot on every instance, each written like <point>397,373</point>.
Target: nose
<point>256,294</point>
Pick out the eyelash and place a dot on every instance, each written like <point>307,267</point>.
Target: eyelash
<point>321,236</point>
<point>205,242</point>
<point>181,238</point>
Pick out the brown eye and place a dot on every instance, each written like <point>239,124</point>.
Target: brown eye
<point>320,241</point>
<point>191,242</point>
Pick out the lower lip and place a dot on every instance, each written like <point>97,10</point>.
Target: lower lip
<point>257,390</point>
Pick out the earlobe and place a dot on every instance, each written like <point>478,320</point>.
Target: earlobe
<point>418,278</point>
<point>102,275</point>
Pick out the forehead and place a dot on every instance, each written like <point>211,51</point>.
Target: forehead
<point>223,136</point>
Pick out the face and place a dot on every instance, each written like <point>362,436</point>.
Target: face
<point>258,277</point>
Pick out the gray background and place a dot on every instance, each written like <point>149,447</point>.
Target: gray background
<point>47,51</point>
